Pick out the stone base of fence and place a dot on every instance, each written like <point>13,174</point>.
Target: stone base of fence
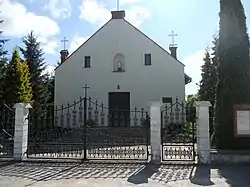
<point>225,157</point>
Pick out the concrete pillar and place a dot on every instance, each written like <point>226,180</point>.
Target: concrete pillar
<point>21,130</point>
<point>203,138</point>
<point>155,132</point>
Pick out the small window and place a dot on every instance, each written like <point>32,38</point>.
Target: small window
<point>147,59</point>
<point>87,61</point>
<point>167,100</point>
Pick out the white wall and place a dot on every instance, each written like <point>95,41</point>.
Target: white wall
<point>164,78</point>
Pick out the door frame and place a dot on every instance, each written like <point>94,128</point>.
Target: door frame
<point>110,93</point>
<point>118,116</point>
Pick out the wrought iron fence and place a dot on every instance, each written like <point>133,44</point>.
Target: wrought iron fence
<point>88,130</point>
<point>7,120</point>
<point>178,132</point>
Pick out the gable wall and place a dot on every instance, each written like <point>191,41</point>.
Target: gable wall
<point>165,77</point>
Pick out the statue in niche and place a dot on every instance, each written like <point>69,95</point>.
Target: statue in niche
<point>119,63</point>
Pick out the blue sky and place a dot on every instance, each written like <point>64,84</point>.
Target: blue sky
<point>195,23</point>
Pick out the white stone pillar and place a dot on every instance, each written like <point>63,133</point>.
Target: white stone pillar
<point>21,130</point>
<point>155,132</point>
<point>203,138</point>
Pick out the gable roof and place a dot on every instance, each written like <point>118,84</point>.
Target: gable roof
<point>85,42</point>
<point>153,42</point>
<point>131,26</point>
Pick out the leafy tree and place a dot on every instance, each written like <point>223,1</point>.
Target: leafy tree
<point>24,94</point>
<point>33,55</point>
<point>233,85</point>
<point>190,105</point>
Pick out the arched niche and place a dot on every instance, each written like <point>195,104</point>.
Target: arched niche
<point>119,63</point>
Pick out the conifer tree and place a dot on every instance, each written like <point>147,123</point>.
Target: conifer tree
<point>24,94</point>
<point>233,85</point>
<point>208,81</point>
<point>33,55</point>
<point>3,66</point>
<point>17,81</point>
<point>12,80</point>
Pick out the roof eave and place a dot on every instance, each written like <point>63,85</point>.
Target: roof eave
<point>187,79</point>
<point>83,43</point>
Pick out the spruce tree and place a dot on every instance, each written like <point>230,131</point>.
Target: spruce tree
<point>24,94</point>
<point>51,87</point>
<point>233,85</point>
<point>208,81</point>
<point>33,55</point>
<point>3,66</point>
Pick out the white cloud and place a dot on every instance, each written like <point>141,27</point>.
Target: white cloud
<point>59,8</point>
<point>49,70</point>
<point>137,15</point>
<point>193,64</point>
<point>123,2</point>
<point>96,13</point>
<point>18,21</point>
<point>76,42</point>
<point>50,47</point>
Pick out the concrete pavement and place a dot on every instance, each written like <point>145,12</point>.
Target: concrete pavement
<point>120,175</point>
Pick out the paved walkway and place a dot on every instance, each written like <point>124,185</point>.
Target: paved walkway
<point>120,175</point>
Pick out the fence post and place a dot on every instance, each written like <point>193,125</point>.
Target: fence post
<point>155,131</point>
<point>203,138</point>
<point>85,126</point>
<point>21,130</point>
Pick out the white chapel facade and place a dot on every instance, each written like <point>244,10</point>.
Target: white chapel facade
<point>122,67</point>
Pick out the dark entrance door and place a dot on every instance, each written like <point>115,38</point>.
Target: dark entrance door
<point>119,107</point>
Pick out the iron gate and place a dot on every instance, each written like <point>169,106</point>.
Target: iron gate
<point>7,120</point>
<point>178,134</point>
<point>88,130</point>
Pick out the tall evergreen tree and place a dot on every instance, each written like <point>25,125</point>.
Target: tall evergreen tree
<point>233,85</point>
<point>12,79</point>
<point>24,94</point>
<point>208,81</point>
<point>214,73</point>
<point>33,55</point>
<point>50,82</point>
<point>3,65</point>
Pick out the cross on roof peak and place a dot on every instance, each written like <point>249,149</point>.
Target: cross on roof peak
<point>173,35</point>
<point>64,41</point>
<point>118,5</point>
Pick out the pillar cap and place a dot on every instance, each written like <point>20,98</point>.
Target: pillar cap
<point>203,104</point>
<point>155,103</point>
<point>22,105</point>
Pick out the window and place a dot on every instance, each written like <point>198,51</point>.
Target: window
<point>167,100</point>
<point>147,59</point>
<point>87,61</point>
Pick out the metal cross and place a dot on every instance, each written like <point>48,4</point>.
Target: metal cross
<point>173,35</point>
<point>64,42</point>
<point>118,5</point>
<point>86,87</point>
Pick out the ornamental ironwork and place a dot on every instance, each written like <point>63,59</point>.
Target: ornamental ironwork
<point>7,120</point>
<point>87,129</point>
<point>177,132</point>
